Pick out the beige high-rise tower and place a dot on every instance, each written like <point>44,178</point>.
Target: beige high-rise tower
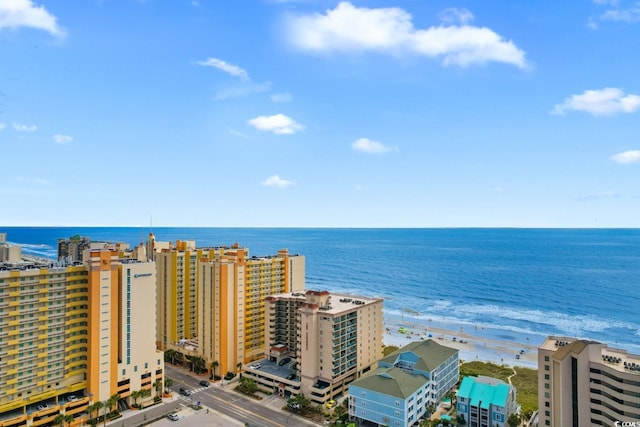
<point>586,383</point>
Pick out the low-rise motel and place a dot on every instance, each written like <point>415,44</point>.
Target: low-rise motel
<point>73,334</point>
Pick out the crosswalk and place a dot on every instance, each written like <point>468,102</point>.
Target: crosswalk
<point>193,391</point>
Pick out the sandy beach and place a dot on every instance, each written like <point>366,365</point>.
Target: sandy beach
<point>471,343</point>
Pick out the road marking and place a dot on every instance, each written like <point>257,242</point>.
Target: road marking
<point>242,410</point>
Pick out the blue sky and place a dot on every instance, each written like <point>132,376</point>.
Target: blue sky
<point>361,113</point>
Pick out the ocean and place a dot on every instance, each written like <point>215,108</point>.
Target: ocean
<point>511,284</point>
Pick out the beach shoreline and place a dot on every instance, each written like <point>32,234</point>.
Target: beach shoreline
<point>474,344</point>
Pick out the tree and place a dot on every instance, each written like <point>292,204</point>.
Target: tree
<point>158,386</point>
<point>170,356</point>
<point>61,419</point>
<point>214,366</point>
<point>513,420</point>
<point>239,365</point>
<point>97,406</point>
<point>339,412</point>
<point>298,403</point>
<point>113,401</point>
<point>107,409</point>
<point>248,385</point>
<point>135,394</point>
<point>198,364</point>
<point>168,382</point>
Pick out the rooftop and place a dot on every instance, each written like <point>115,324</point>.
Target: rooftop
<point>392,382</point>
<point>484,394</point>
<point>428,354</point>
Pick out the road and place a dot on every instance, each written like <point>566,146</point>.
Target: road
<point>233,405</point>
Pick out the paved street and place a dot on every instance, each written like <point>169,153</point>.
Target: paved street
<point>220,407</point>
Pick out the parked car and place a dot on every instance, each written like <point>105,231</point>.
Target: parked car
<point>284,361</point>
<point>42,406</point>
<point>185,392</point>
<point>173,417</point>
<point>72,398</point>
<point>204,383</point>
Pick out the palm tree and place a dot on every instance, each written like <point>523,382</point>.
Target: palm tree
<point>214,366</point>
<point>170,356</point>
<point>97,406</point>
<point>113,401</point>
<point>107,407</point>
<point>168,382</point>
<point>158,386</point>
<point>90,411</point>
<point>135,394</point>
<point>61,419</point>
<point>239,365</point>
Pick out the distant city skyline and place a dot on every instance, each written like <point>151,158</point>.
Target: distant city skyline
<point>318,113</point>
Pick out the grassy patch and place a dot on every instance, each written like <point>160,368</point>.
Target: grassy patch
<point>388,349</point>
<point>525,382</point>
<point>474,369</point>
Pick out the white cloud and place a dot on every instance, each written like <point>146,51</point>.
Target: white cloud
<point>600,195</point>
<point>242,90</point>
<point>630,15</point>
<point>23,13</point>
<point>2,126</point>
<point>604,102</point>
<point>609,2</point>
<point>230,69</point>
<point>237,133</point>
<point>278,124</point>
<point>281,97</point>
<point>62,139</point>
<point>626,157</point>
<point>276,181</point>
<point>24,128</point>
<point>368,146</point>
<point>390,30</point>
<point>454,15</point>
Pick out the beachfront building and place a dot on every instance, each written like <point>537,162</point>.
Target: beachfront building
<point>317,343</point>
<point>583,382</point>
<point>65,335</point>
<point>211,300</point>
<point>406,383</point>
<point>72,248</point>
<point>486,402</point>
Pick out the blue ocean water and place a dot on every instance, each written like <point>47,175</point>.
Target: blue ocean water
<point>513,282</point>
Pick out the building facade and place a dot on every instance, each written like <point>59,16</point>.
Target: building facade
<point>61,337</point>
<point>211,300</point>
<point>486,402</point>
<point>325,342</point>
<point>583,382</point>
<point>406,383</point>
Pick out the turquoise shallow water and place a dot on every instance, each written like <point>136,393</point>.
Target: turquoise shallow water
<point>513,282</point>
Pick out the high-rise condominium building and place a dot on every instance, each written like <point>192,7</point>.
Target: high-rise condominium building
<point>327,341</point>
<point>211,300</point>
<point>583,382</point>
<point>74,335</point>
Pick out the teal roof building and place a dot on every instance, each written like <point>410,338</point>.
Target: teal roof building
<point>486,402</point>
